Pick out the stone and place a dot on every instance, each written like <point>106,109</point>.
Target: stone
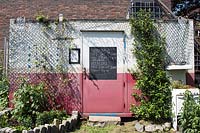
<point>142,121</point>
<point>36,129</point>
<point>166,129</point>
<point>75,114</point>
<point>150,128</point>
<point>30,131</point>
<point>172,130</point>
<point>8,130</point>
<point>74,122</point>
<point>100,124</point>
<point>69,120</point>
<point>108,120</point>
<point>9,109</point>
<point>48,128</point>
<point>104,118</point>
<point>6,110</point>
<point>61,128</point>
<point>66,124</point>
<point>56,122</point>
<point>13,131</point>
<point>54,129</point>
<point>43,129</point>
<point>91,124</point>
<point>72,125</point>
<point>159,128</point>
<point>74,119</point>
<point>24,131</point>
<point>139,127</point>
<point>167,125</point>
<point>2,130</point>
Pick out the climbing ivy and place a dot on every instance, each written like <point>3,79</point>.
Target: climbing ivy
<point>190,115</point>
<point>152,80</point>
<point>4,90</point>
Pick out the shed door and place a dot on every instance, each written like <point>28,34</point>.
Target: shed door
<point>103,77</point>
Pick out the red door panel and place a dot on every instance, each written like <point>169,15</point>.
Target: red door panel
<point>103,79</point>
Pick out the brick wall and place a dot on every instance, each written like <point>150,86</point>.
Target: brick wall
<point>71,9</point>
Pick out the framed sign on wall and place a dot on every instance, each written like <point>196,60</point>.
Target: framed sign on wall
<point>74,56</point>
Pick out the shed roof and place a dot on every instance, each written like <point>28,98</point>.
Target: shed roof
<point>71,9</point>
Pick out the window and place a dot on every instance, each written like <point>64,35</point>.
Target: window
<point>103,63</point>
<point>147,5</point>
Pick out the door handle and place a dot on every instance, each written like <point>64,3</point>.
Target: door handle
<point>84,73</point>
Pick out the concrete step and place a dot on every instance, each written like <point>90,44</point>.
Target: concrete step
<point>101,121</point>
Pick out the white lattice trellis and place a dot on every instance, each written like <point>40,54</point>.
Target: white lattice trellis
<point>34,48</point>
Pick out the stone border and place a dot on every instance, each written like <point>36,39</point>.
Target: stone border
<point>5,111</point>
<point>147,126</point>
<point>57,127</point>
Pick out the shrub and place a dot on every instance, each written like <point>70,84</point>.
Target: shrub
<point>152,80</point>
<point>190,115</point>
<point>48,116</point>
<point>179,85</point>
<point>4,88</point>
<point>28,100</point>
<point>26,122</point>
<point>21,128</point>
<point>4,120</point>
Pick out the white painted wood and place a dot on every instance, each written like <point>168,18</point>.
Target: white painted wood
<point>179,67</point>
<point>103,39</point>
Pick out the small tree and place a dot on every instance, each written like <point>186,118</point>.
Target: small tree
<point>149,50</point>
<point>190,115</point>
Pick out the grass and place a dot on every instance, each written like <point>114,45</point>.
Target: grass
<point>84,128</point>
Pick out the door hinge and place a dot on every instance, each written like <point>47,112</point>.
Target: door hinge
<point>124,105</point>
<point>124,84</point>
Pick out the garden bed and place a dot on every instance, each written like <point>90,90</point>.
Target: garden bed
<point>58,126</point>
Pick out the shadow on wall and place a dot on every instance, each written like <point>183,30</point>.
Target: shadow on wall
<point>64,90</point>
<point>190,79</point>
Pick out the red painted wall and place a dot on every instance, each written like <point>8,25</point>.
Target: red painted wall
<point>190,78</point>
<point>66,88</point>
<point>69,95</point>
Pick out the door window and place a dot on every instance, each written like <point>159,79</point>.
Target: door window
<point>103,63</point>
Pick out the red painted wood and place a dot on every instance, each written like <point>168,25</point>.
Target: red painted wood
<point>131,85</point>
<point>105,96</point>
<point>190,78</point>
<point>65,88</point>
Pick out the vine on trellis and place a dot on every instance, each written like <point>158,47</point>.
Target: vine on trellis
<point>152,80</point>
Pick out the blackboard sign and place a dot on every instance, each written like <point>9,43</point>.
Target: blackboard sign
<point>103,63</point>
